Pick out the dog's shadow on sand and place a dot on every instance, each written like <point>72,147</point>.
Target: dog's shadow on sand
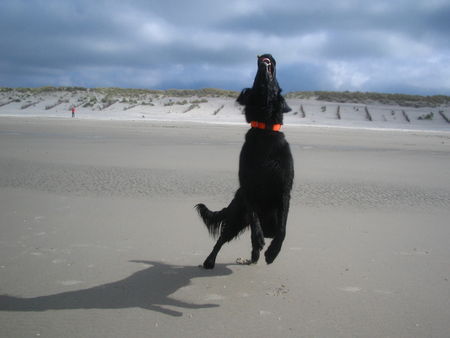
<point>148,289</point>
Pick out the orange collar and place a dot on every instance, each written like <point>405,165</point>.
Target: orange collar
<point>262,125</point>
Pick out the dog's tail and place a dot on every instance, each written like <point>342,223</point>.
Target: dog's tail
<point>214,220</point>
<point>233,218</point>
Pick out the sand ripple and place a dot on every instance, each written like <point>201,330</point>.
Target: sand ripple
<point>140,183</point>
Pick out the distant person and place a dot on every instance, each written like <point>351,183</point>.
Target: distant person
<point>73,111</point>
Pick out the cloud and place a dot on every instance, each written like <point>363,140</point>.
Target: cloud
<point>329,45</point>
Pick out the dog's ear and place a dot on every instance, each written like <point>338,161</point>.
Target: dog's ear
<point>284,106</point>
<point>243,96</point>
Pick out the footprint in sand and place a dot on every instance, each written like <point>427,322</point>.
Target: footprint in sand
<point>213,296</point>
<point>70,282</point>
<point>352,289</point>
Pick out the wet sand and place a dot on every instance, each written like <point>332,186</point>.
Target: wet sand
<point>98,236</point>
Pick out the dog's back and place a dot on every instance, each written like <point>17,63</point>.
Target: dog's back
<point>266,170</point>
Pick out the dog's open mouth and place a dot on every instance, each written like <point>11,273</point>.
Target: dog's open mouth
<point>269,66</point>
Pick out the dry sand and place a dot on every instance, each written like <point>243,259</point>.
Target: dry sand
<point>98,237</point>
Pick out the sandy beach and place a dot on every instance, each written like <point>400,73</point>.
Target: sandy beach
<point>99,238</point>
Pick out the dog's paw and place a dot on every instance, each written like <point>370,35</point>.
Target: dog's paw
<point>270,255</point>
<point>209,264</point>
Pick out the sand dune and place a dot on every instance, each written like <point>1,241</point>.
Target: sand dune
<point>215,106</point>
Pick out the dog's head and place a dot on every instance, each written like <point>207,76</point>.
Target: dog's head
<point>266,69</point>
<point>263,102</point>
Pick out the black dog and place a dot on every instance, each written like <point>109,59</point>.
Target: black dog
<point>266,172</point>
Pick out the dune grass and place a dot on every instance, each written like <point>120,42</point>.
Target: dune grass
<point>133,95</point>
<point>405,100</point>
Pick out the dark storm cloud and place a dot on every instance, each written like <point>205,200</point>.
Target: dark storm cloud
<point>328,45</point>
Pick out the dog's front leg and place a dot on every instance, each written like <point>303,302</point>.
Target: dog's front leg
<point>275,246</point>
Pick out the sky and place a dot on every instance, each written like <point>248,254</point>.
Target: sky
<point>393,46</point>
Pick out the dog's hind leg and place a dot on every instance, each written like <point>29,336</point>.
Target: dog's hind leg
<point>210,261</point>
<point>257,238</point>
<point>227,235</point>
<point>258,243</point>
<point>275,246</point>
<point>234,219</point>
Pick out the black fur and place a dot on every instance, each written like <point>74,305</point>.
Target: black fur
<point>266,173</point>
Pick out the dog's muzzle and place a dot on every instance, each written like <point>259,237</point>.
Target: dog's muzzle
<point>268,64</point>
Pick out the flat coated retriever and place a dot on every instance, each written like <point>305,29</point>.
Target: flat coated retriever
<point>266,172</point>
